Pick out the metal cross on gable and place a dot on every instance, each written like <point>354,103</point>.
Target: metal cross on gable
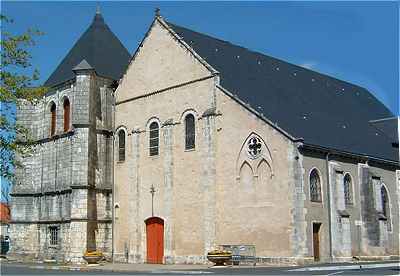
<point>254,146</point>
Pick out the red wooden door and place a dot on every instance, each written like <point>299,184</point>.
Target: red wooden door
<point>155,240</point>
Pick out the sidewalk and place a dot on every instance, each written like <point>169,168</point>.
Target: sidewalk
<point>111,267</point>
<point>163,267</point>
<point>348,266</point>
<point>123,267</point>
<point>159,268</point>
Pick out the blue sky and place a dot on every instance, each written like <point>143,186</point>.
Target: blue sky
<point>353,41</point>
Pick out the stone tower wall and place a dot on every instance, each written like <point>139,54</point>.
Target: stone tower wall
<point>66,181</point>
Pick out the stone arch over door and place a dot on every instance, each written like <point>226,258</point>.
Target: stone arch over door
<point>154,240</point>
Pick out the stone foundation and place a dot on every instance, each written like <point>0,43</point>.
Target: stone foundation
<point>31,242</point>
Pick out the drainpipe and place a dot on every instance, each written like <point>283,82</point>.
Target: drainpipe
<point>328,191</point>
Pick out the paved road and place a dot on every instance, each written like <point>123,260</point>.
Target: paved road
<point>11,269</point>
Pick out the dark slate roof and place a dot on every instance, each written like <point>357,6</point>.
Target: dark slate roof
<point>100,48</point>
<point>388,127</point>
<point>322,110</point>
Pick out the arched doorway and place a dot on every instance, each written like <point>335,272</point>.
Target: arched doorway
<point>155,240</point>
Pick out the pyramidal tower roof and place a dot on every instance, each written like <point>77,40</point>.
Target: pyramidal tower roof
<point>100,48</point>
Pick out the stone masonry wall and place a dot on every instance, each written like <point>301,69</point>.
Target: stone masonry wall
<point>197,194</point>
<point>51,186</point>
<point>179,198</point>
<point>356,230</point>
<point>256,195</point>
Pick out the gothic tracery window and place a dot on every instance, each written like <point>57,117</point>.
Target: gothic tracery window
<point>53,119</point>
<point>190,132</point>
<point>154,139</point>
<point>254,147</point>
<point>121,145</point>
<point>315,186</point>
<point>348,190</point>
<point>67,111</point>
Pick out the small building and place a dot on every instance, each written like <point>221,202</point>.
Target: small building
<point>217,145</point>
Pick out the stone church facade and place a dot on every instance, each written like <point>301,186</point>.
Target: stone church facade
<point>206,157</point>
<point>62,196</point>
<point>198,143</point>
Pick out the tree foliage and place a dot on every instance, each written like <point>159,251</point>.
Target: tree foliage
<point>17,87</point>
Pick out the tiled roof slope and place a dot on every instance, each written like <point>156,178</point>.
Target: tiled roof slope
<point>325,111</point>
<point>100,48</point>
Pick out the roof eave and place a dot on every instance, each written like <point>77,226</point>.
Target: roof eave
<point>366,157</point>
<point>71,80</point>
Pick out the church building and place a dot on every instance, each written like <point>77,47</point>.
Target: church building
<point>193,143</point>
<point>219,145</point>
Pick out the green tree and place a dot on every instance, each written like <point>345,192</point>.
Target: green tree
<point>17,86</point>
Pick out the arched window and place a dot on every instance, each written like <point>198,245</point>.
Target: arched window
<point>385,206</point>
<point>315,186</point>
<point>121,145</point>
<point>384,201</point>
<point>53,119</point>
<point>190,132</point>
<point>154,139</point>
<point>67,111</point>
<point>348,190</point>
